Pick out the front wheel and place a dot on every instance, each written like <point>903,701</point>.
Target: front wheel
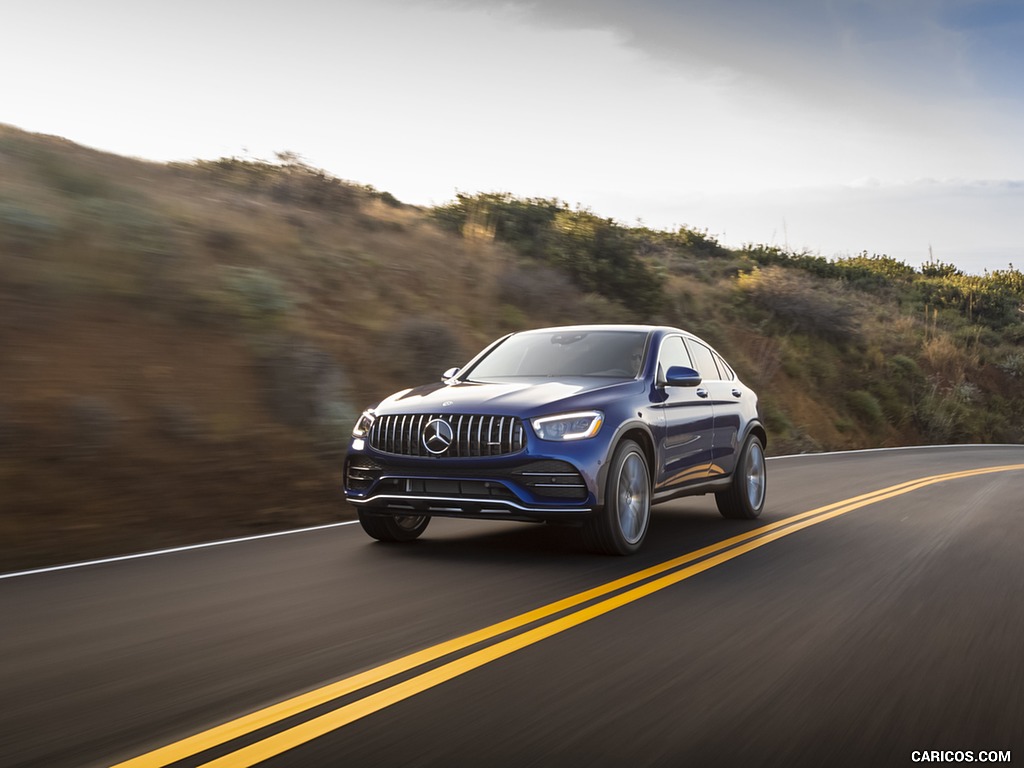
<point>393,527</point>
<point>620,526</point>
<point>744,498</point>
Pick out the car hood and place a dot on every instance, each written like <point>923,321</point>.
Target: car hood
<point>525,398</point>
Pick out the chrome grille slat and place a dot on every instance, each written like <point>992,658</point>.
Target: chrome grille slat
<point>473,435</point>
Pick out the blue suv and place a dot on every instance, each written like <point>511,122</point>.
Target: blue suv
<point>581,425</point>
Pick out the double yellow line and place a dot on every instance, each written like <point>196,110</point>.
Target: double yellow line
<point>668,573</point>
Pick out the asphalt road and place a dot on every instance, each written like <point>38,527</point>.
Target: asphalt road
<point>882,627</point>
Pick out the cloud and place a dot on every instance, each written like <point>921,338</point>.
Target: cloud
<point>928,65</point>
<point>850,40</point>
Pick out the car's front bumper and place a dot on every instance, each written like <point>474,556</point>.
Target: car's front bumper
<point>551,487</point>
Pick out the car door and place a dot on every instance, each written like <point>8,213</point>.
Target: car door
<point>686,449</point>
<point>718,380</point>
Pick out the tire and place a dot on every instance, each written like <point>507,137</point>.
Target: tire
<point>744,498</point>
<point>619,528</point>
<point>393,527</point>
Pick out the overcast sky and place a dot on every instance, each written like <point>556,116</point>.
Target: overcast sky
<point>891,126</point>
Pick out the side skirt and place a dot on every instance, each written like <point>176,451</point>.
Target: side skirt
<point>697,489</point>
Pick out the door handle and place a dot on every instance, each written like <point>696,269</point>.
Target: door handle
<point>737,392</point>
<point>701,392</point>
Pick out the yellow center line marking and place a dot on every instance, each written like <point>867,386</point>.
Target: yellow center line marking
<point>723,551</point>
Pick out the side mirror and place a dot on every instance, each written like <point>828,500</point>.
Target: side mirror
<point>451,373</point>
<point>681,376</point>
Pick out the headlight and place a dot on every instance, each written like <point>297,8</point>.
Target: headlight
<point>363,423</point>
<point>568,426</point>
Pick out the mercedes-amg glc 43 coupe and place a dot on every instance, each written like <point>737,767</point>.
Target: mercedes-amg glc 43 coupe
<point>582,425</point>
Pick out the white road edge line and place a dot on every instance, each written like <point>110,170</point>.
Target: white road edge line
<point>205,545</point>
<point>172,550</point>
<point>894,448</point>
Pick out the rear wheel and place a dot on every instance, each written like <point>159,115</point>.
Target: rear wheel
<point>620,527</point>
<point>393,527</point>
<point>744,498</point>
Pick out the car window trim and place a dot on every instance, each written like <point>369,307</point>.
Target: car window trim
<point>659,373</point>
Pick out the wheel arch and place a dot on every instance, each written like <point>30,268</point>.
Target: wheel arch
<point>639,434</point>
<point>756,428</point>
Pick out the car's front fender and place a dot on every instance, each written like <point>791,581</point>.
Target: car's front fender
<point>647,441</point>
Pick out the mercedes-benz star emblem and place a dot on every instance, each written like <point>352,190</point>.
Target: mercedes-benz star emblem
<point>437,436</point>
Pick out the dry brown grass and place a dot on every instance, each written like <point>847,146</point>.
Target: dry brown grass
<point>947,359</point>
<point>159,324</point>
<point>804,303</point>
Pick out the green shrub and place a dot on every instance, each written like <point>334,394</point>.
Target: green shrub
<point>257,295</point>
<point>420,349</point>
<point>775,419</point>
<point>23,231</point>
<point>943,414</point>
<point>993,302</point>
<point>304,386</point>
<point>538,289</point>
<point>804,303</point>
<point>866,407</point>
<point>935,268</point>
<point>597,254</point>
<point>1013,365</point>
<point>69,175</point>
<point>905,368</point>
<point>843,425</point>
<point>289,180</point>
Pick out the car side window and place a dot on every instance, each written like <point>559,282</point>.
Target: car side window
<point>673,352</point>
<point>727,372</point>
<point>705,361</point>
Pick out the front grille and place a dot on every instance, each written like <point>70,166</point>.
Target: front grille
<point>472,436</point>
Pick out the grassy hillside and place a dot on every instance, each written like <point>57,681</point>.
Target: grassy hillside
<point>183,348</point>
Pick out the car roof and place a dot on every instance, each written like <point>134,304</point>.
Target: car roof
<point>608,327</point>
<point>599,327</point>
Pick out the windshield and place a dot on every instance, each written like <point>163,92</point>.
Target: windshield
<point>608,354</point>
